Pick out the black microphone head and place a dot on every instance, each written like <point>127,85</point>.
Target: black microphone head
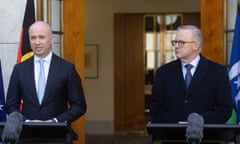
<point>12,128</point>
<point>194,130</point>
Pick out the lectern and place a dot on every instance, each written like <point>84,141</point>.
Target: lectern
<point>176,132</point>
<point>49,133</point>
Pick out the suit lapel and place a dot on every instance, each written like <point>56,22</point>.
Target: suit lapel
<point>199,75</point>
<point>51,77</point>
<point>30,79</point>
<point>177,77</point>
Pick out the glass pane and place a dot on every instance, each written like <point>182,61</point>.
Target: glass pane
<point>172,22</point>
<point>150,41</point>
<point>149,24</point>
<point>229,45</point>
<point>170,56</point>
<point>158,56</point>
<point>56,47</point>
<point>231,13</point>
<point>56,15</point>
<point>149,76</point>
<point>45,10</point>
<point>158,41</point>
<point>150,60</point>
<point>158,23</point>
<point>57,38</point>
<point>169,37</point>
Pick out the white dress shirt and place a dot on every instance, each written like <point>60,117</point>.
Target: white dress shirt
<point>194,63</point>
<point>47,61</point>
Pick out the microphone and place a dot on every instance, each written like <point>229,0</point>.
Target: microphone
<point>12,128</point>
<point>194,130</point>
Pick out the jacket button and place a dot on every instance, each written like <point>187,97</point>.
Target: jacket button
<point>186,101</point>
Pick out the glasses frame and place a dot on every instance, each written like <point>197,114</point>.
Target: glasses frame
<point>180,43</point>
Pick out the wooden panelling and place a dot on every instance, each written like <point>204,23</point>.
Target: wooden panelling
<point>192,19</point>
<point>212,26</point>
<point>119,74</point>
<point>73,48</point>
<point>134,69</point>
<point>129,73</point>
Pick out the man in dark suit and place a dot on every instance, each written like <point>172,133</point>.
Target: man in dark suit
<point>62,99</point>
<point>208,93</point>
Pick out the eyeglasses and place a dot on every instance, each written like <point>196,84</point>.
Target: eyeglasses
<point>180,43</point>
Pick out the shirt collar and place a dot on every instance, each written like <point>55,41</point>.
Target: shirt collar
<point>46,59</point>
<point>194,62</point>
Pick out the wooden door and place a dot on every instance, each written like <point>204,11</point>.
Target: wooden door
<point>212,26</point>
<point>128,73</point>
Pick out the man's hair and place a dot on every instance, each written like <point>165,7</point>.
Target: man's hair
<point>197,34</point>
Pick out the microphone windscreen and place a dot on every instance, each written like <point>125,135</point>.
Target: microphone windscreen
<point>12,128</point>
<point>194,130</point>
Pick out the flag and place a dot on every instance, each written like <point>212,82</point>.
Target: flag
<point>2,98</point>
<point>24,49</point>
<point>234,69</point>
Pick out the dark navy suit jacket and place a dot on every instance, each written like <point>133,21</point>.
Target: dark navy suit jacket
<point>63,86</point>
<point>209,93</point>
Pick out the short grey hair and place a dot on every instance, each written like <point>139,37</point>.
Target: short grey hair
<point>197,34</point>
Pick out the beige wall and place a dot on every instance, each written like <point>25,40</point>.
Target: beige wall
<point>98,27</point>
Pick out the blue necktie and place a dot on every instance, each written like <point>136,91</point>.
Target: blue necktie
<point>41,81</point>
<point>188,76</point>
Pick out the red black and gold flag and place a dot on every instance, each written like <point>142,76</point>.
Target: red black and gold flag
<point>24,49</point>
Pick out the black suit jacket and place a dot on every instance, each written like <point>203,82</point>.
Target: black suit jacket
<point>209,93</point>
<point>63,86</point>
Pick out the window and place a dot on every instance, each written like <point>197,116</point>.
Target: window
<point>159,31</point>
<point>50,11</point>
<point>231,10</point>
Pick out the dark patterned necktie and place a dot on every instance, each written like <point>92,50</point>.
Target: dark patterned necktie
<point>188,76</point>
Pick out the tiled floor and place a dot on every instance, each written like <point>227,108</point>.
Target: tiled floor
<point>116,139</point>
<point>129,139</point>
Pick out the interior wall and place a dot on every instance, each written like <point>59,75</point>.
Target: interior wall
<point>98,29</point>
<point>11,18</point>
